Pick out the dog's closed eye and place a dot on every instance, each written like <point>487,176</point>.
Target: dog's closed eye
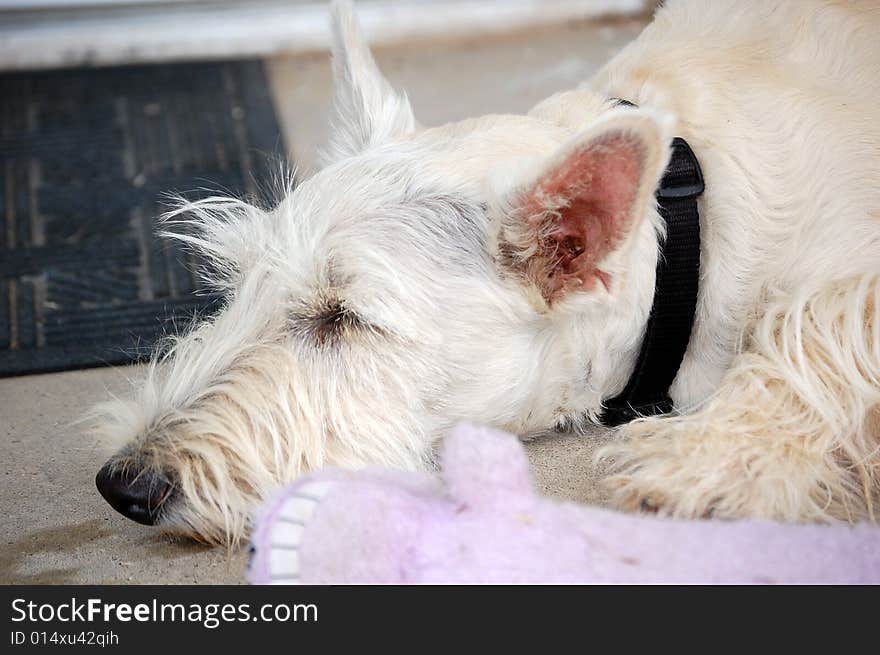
<point>327,323</point>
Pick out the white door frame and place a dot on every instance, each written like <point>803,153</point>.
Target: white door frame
<point>54,33</point>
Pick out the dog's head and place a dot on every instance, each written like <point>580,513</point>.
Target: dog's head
<point>423,276</point>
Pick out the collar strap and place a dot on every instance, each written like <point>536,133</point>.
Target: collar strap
<point>675,293</point>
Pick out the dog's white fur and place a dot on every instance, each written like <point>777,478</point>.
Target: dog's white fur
<point>381,300</point>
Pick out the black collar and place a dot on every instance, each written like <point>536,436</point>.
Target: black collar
<point>675,294</point>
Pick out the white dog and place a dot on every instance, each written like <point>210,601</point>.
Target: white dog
<point>502,270</point>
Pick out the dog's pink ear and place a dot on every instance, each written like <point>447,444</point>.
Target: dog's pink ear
<point>565,228</point>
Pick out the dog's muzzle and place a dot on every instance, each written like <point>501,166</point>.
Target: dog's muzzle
<point>138,495</point>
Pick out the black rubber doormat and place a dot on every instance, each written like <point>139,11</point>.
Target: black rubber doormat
<point>86,157</point>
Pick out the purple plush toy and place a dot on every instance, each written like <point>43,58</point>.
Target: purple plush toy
<point>483,523</point>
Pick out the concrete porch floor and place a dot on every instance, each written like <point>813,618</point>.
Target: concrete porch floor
<point>54,527</point>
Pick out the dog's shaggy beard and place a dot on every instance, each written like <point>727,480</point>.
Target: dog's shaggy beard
<point>258,425</point>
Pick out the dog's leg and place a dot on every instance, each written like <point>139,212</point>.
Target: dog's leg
<point>792,434</point>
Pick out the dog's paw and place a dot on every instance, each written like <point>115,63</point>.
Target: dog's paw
<point>693,467</point>
<point>658,469</point>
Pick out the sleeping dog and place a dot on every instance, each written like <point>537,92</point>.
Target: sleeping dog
<point>688,245</point>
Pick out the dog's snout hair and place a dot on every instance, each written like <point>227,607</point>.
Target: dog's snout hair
<point>255,425</point>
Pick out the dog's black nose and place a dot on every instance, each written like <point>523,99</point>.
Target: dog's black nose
<point>139,495</point>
